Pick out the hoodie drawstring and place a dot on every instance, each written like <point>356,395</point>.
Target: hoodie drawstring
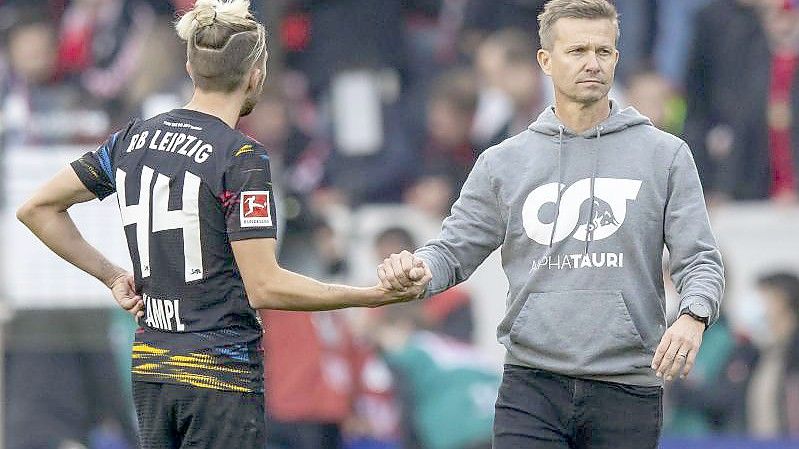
<point>560,182</point>
<point>589,227</point>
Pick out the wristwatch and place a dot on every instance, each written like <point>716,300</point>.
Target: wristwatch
<point>697,311</point>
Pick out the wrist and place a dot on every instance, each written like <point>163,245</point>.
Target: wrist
<point>113,276</point>
<point>694,319</point>
<point>697,311</point>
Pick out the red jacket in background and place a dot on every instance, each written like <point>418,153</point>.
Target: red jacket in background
<point>309,366</point>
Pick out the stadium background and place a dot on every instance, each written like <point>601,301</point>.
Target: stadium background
<point>374,111</point>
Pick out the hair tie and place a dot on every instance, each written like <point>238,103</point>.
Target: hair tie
<point>206,22</point>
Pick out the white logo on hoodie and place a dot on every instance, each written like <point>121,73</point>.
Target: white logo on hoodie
<point>574,217</point>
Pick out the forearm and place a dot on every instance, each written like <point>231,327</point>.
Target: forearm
<point>286,290</point>
<point>694,258</point>
<point>56,229</point>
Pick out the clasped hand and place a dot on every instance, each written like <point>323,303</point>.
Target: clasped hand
<point>403,276</point>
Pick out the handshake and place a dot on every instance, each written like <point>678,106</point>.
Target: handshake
<point>403,277</point>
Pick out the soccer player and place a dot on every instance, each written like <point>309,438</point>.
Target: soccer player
<point>582,203</point>
<point>196,202</point>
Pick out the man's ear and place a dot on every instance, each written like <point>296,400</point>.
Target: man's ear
<point>256,80</point>
<point>188,70</point>
<point>544,58</point>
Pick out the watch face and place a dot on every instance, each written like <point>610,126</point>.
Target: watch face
<point>699,310</point>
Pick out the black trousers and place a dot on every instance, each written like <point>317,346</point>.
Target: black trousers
<point>541,410</point>
<point>178,417</point>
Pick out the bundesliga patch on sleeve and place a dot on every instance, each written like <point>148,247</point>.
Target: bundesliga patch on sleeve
<point>254,209</point>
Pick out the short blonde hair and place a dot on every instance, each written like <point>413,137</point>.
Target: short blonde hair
<point>573,9</point>
<point>223,43</point>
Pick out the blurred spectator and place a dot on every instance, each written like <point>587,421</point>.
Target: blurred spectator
<point>36,106</point>
<point>675,33</point>
<point>636,19</point>
<point>450,390</point>
<point>342,35</point>
<point>712,400</point>
<point>652,95</point>
<point>483,17</point>
<point>101,44</point>
<point>310,378</point>
<point>61,384</point>
<point>371,159</point>
<point>377,420</point>
<point>773,393</point>
<point>432,193</point>
<point>150,91</point>
<point>511,91</point>
<point>448,153</point>
<point>741,128</point>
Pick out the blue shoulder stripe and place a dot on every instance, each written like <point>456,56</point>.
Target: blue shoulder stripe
<point>105,158</point>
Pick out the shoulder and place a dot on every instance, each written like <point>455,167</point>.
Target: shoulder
<point>663,145</point>
<point>512,145</point>
<point>246,147</point>
<point>243,153</point>
<point>666,139</point>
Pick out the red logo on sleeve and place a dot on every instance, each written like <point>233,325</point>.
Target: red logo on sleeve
<point>254,209</point>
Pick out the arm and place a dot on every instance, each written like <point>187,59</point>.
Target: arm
<point>694,258</point>
<point>695,265</point>
<point>474,229</point>
<point>270,286</point>
<point>45,214</point>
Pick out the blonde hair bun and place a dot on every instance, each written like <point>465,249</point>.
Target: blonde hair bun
<point>207,12</point>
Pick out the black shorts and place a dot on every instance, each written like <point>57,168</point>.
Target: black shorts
<point>542,410</point>
<point>178,416</point>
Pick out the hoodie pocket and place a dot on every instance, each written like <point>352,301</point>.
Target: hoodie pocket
<point>580,331</point>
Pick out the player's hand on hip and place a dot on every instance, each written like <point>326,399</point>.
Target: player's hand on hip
<point>124,290</point>
<point>678,348</point>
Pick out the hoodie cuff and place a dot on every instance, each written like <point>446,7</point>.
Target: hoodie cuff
<point>694,299</point>
<point>431,288</point>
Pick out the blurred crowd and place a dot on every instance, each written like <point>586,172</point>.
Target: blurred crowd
<point>370,102</point>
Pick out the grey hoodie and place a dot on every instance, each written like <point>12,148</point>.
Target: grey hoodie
<point>586,296</point>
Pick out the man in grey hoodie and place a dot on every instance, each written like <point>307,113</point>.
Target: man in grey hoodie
<point>582,204</point>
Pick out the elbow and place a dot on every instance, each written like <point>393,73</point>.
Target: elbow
<point>262,297</point>
<point>26,212</point>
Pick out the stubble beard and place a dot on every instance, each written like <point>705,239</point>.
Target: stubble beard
<point>248,106</point>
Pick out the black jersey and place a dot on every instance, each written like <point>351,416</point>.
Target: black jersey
<point>187,185</point>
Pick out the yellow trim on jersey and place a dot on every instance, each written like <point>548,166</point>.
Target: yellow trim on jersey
<point>197,380</point>
<point>244,149</point>
<point>147,349</point>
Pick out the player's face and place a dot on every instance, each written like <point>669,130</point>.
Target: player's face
<point>582,60</point>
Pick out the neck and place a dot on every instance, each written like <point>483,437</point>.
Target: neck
<point>580,117</point>
<point>223,105</point>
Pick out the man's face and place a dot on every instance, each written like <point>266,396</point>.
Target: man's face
<point>582,60</point>
<point>31,53</point>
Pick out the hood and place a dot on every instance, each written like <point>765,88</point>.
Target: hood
<point>619,119</point>
<point>548,124</point>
